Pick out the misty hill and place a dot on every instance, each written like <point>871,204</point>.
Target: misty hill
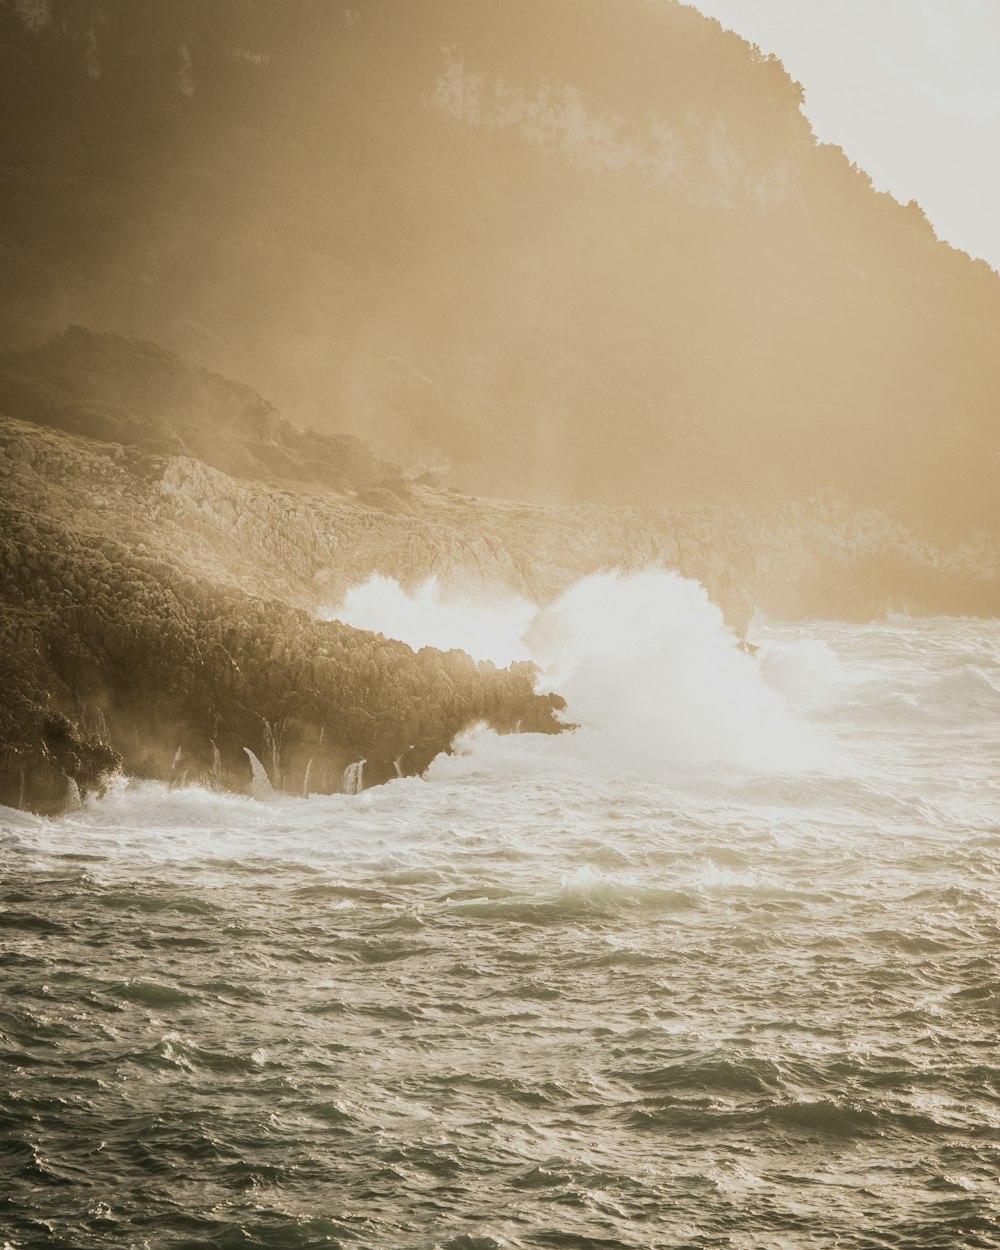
<point>562,249</point>
<point>135,394</point>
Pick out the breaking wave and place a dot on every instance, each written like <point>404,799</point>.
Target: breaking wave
<point>652,675</point>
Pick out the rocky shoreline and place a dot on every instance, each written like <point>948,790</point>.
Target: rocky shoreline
<point>162,616</point>
<point>115,661</point>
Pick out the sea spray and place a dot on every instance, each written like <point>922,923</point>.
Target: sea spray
<point>353,781</point>
<point>489,627</point>
<point>272,748</point>
<point>260,787</point>
<point>652,675</point>
<point>806,673</point>
<point>74,801</point>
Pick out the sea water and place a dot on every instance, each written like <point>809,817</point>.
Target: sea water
<point>720,968</point>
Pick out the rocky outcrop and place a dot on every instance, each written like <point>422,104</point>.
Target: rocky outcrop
<point>307,547</point>
<point>827,559</point>
<point>310,546</point>
<point>116,658</point>
<point>100,415</point>
<point>567,251</point>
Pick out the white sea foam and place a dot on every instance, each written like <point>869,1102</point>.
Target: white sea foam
<point>806,671</point>
<point>652,675</point>
<point>487,627</point>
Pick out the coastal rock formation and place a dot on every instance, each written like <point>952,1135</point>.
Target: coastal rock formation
<point>162,615</point>
<point>263,531</point>
<point>115,658</point>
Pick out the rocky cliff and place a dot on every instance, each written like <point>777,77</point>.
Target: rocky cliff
<point>114,658</point>
<point>155,612</point>
<point>161,614</point>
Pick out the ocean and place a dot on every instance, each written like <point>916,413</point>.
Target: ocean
<point>719,968</point>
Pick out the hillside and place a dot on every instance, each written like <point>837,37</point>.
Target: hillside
<point>563,251</point>
<point>137,395</point>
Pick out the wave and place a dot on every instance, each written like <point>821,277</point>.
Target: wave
<point>806,672</point>
<point>650,671</point>
<point>964,691</point>
<point>491,627</point>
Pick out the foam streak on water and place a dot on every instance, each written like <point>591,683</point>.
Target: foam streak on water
<point>691,1000</point>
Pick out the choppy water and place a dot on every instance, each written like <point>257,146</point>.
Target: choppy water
<point>532,1002</point>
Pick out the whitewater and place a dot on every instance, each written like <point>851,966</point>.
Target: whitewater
<point>720,967</point>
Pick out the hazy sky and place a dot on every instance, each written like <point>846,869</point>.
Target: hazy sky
<point>910,89</point>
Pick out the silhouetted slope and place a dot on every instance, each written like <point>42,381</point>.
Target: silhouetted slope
<point>136,394</point>
<point>567,248</point>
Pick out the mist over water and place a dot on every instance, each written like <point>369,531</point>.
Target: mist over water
<point>674,979</point>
